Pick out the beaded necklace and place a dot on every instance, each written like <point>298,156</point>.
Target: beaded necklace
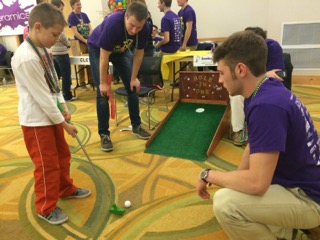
<point>244,134</point>
<point>50,74</point>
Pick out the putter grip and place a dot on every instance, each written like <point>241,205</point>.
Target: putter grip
<point>61,109</point>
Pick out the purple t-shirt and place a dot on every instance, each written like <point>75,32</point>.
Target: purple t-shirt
<point>171,23</point>
<point>112,36</point>
<point>81,21</point>
<point>275,57</point>
<point>188,15</point>
<point>277,121</point>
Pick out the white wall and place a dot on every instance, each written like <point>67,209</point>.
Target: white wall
<point>220,18</point>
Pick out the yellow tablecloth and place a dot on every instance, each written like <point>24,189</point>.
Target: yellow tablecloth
<point>169,59</point>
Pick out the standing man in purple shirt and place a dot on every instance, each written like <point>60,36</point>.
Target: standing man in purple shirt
<point>171,29</point>
<point>79,22</point>
<point>189,26</point>
<point>274,63</point>
<point>111,41</point>
<point>276,187</point>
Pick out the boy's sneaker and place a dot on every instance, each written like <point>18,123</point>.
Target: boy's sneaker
<point>72,99</point>
<point>141,132</point>
<point>55,217</point>
<point>106,144</point>
<point>80,193</point>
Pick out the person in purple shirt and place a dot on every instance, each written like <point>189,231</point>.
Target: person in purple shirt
<point>276,187</point>
<point>189,26</point>
<point>79,22</point>
<point>112,41</point>
<point>274,63</point>
<point>171,29</point>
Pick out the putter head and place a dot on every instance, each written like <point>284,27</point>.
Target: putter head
<point>116,210</point>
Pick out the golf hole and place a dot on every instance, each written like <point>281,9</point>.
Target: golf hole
<point>200,110</point>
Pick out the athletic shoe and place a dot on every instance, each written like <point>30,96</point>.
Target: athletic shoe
<point>84,88</point>
<point>141,132</point>
<point>80,193</point>
<point>106,144</point>
<point>72,99</point>
<point>236,138</point>
<point>55,217</point>
<point>72,87</point>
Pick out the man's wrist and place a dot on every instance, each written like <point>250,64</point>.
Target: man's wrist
<point>204,174</point>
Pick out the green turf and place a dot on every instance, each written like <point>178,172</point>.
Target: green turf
<point>188,134</point>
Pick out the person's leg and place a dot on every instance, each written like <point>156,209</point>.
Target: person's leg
<point>102,103</point>
<point>84,50</point>
<point>271,216</point>
<point>237,118</point>
<point>123,64</point>
<point>65,70</point>
<point>40,143</point>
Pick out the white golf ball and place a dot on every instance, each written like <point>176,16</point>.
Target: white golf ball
<point>127,204</point>
<point>200,110</point>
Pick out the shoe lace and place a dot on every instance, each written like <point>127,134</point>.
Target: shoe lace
<point>55,212</point>
<point>105,139</point>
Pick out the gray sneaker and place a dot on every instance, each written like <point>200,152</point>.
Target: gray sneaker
<point>106,144</point>
<point>80,193</point>
<point>141,132</point>
<point>55,217</point>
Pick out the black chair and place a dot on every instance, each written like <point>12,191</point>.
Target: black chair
<point>289,68</point>
<point>7,67</point>
<point>151,80</point>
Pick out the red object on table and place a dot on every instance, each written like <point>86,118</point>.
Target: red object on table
<point>111,100</point>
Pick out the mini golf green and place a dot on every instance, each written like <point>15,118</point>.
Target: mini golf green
<point>188,131</point>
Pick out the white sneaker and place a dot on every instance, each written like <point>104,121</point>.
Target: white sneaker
<point>72,87</point>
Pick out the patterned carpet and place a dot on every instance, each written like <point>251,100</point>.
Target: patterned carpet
<point>165,204</point>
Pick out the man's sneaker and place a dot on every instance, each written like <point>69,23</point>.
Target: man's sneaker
<point>72,99</point>
<point>80,193</point>
<point>236,138</point>
<point>106,144</point>
<point>55,217</point>
<point>141,133</point>
<point>84,88</point>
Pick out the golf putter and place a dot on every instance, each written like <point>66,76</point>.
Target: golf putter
<point>114,209</point>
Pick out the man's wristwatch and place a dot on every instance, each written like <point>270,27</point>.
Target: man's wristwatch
<point>204,174</point>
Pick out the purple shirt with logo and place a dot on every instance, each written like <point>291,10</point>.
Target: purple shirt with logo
<point>81,21</point>
<point>188,15</point>
<point>111,35</point>
<point>277,121</point>
<point>171,23</point>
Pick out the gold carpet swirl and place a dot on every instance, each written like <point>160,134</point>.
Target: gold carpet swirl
<point>161,189</point>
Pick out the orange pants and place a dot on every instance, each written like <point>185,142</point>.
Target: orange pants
<point>51,156</point>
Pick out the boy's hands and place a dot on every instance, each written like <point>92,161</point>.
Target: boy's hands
<point>70,129</point>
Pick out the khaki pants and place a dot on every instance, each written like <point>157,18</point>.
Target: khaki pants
<point>268,217</point>
<point>84,50</point>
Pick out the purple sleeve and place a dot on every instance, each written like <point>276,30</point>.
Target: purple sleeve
<point>85,17</point>
<point>72,20</point>
<point>267,129</point>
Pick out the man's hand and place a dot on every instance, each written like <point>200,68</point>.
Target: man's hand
<point>272,73</point>
<point>202,189</point>
<point>104,89</point>
<point>135,83</point>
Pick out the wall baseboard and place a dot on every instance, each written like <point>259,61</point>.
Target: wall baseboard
<point>307,80</point>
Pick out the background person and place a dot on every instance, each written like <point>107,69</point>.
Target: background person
<point>171,29</point>
<point>79,22</point>
<point>61,57</point>
<point>41,121</point>
<point>276,187</point>
<point>112,41</point>
<point>274,63</point>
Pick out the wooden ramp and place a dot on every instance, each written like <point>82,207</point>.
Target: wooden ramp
<point>201,113</point>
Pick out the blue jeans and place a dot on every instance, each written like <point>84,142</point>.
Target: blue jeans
<point>65,72</point>
<point>122,62</point>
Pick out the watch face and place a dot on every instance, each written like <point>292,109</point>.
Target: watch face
<point>204,174</point>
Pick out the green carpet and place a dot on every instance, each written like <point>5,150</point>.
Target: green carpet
<point>187,134</point>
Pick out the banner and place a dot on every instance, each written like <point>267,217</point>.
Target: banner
<point>14,16</point>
